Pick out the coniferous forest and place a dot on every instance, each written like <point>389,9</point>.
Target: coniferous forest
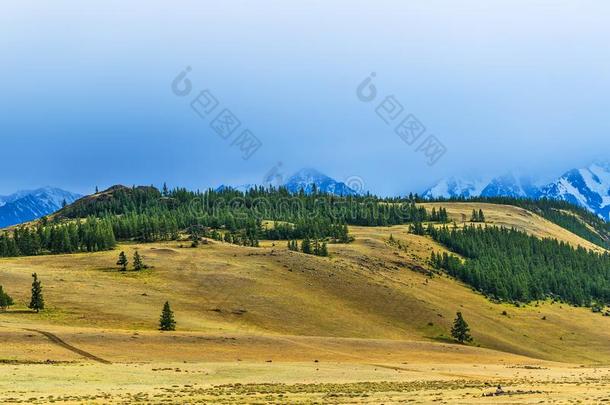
<point>510,265</point>
<point>575,219</point>
<point>146,214</point>
<point>502,263</point>
<point>89,235</point>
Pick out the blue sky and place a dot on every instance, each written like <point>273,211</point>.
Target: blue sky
<point>87,98</point>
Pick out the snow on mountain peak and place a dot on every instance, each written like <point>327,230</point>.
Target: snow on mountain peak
<point>304,180</point>
<point>588,187</point>
<point>456,187</point>
<point>27,205</point>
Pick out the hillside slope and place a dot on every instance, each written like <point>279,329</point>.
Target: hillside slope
<point>367,289</point>
<point>512,217</point>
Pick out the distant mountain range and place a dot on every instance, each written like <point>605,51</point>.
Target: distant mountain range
<point>24,206</point>
<point>588,187</point>
<point>304,180</point>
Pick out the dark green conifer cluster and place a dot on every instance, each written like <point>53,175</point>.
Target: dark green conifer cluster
<point>90,235</point>
<point>584,223</point>
<point>507,264</point>
<point>5,300</point>
<point>314,247</point>
<point>477,216</point>
<point>144,214</point>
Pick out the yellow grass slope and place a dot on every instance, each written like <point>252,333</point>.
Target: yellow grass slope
<point>366,290</point>
<point>512,217</point>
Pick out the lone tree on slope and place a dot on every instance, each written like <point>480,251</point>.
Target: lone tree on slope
<point>138,264</point>
<point>5,300</point>
<point>123,262</point>
<point>167,322</point>
<point>460,330</point>
<point>37,302</point>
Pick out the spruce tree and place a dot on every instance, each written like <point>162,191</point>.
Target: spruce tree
<point>292,245</point>
<point>5,300</point>
<point>138,264</point>
<point>475,216</point>
<point>306,246</point>
<point>37,302</point>
<point>167,322</point>
<point>460,330</point>
<point>323,250</point>
<point>123,262</point>
<point>316,248</point>
<point>481,216</point>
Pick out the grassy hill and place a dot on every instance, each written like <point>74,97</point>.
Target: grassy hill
<point>370,304</point>
<point>366,289</point>
<point>515,217</point>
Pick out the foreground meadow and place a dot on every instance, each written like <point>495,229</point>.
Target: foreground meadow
<point>369,324</point>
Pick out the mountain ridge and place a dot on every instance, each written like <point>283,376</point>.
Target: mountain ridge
<point>304,180</point>
<point>27,205</point>
<point>587,187</point>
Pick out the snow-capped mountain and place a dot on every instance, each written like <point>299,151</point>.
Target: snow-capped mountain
<point>24,206</point>
<point>509,185</point>
<point>305,179</point>
<point>455,187</point>
<point>241,188</point>
<point>588,187</point>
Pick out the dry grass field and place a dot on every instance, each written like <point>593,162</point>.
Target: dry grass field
<point>267,325</point>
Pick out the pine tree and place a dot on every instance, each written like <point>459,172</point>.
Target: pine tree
<point>460,330</point>
<point>123,262</point>
<point>195,242</point>
<point>5,300</point>
<point>167,322</point>
<point>97,190</point>
<point>323,250</point>
<point>316,248</point>
<point>417,228</point>
<point>475,216</point>
<point>138,264</point>
<point>481,216</point>
<point>292,245</point>
<point>37,302</point>
<point>306,246</point>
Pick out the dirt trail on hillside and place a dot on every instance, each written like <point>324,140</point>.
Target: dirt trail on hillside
<point>58,341</point>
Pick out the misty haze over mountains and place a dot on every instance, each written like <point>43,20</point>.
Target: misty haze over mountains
<point>587,187</point>
<point>305,180</point>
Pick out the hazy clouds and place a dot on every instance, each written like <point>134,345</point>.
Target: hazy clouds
<point>504,85</point>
